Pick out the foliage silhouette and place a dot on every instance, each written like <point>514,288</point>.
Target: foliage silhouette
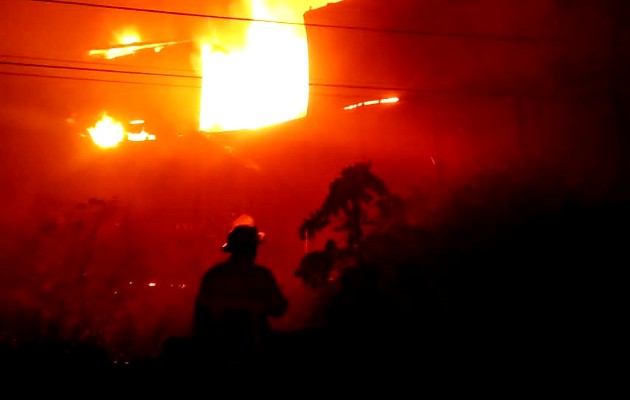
<point>356,198</point>
<point>349,194</point>
<point>316,266</point>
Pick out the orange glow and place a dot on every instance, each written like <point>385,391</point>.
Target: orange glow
<point>107,132</point>
<point>262,83</point>
<point>243,219</point>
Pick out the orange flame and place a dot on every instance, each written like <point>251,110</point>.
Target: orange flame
<point>262,83</point>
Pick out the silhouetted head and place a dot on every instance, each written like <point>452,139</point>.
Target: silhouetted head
<point>243,239</point>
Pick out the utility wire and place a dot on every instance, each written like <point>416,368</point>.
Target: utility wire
<point>144,73</point>
<point>75,78</point>
<point>62,60</point>
<point>116,71</point>
<point>359,87</point>
<point>410,93</point>
<point>312,25</point>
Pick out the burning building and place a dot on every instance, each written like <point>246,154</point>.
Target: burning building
<point>252,72</point>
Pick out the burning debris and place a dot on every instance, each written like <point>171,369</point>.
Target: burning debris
<point>128,43</point>
<point>131,48</point>
<point>108,132</point>
<point>390,100</point>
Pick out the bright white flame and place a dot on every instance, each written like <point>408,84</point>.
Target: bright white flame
<point>389,100</point>
<point>107,132</point>
<point>127,36</point>
<point>264,83</point>
<point>141,136</point>
<point>125,50</point>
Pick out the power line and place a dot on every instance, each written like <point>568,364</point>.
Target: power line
<point>49,59</point>
<point>116,71</point>
<point>144,73</point>
<point>411,93</point>
<point>76,78</point>
<point>33,75</point>
<point>9,73</point>
<point>324,85</point>
<point>311,25</point>
<point>59,60</point>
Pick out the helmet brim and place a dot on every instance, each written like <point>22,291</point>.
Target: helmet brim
<point>261,238</point>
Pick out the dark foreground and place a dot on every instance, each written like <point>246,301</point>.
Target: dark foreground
<point>537,303</point>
